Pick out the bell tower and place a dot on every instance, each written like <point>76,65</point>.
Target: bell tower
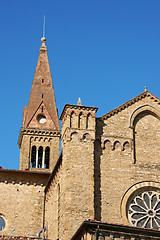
<point>40,133</point>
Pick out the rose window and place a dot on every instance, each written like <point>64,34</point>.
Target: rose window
<point>144,210</point>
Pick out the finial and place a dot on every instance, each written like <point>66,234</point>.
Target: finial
<point>79,102</point>
<point>145,89</point>
<point>43,40</point>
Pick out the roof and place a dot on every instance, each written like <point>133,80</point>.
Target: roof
<point>42,99</point>
<point>24,177</point>
<point>98,226</point>
<point>129,103</point>
<point>24,171</point>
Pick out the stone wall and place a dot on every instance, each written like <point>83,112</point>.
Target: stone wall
<point>103,165</point>
<point>22,199</point>
<point>130,154</point>
<point>53,208</point>
<point>21,206</point>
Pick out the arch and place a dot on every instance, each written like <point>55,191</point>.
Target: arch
<point>144,108</point>
<point>86,137</point>
<point>126,146</point>
<point>145,125</point>
<point>89,121</point>
<point>107,144</point>
<point>80,120</point>
<point>72,119</point>
<point>74,136</point>
<point>47,158</point>
<point>133,190</point>
<point>33,157</point>
<point>40,156</point>
<point>117,145</point>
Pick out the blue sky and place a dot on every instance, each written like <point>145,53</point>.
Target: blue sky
<point>104,51</point>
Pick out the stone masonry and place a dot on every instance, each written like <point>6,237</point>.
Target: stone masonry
<point>107,174</point>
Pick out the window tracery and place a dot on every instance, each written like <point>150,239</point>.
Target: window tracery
<point>144,209</point>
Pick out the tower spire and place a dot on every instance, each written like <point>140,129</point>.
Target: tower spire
<point>42,98</point>
<point>40,119</point>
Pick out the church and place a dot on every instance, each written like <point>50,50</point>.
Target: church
<point>105,183</point>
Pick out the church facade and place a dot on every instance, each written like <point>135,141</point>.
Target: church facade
<point>105,184</point>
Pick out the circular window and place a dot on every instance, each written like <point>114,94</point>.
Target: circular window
<point>2,223</point>
<point>144,209</point>
<point>41,119</point>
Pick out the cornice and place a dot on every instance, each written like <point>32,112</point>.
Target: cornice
<point>37,132</point>
<point>76,107</point>
<point>26,177</point>
<point>129,103</point>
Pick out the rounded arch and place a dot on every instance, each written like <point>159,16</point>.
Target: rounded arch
<point>132,191</point>
<point>80,120</point>
<point>86,137</point>
<point>117,145</point>
<point>72,119</point>
<point>126,145</point>
<point>144,122</point>
<point>144,108</point>
<point>89,121</point>
<point>107,144</point>
<point>74,136</point>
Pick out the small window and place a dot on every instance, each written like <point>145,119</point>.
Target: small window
<point>72,119</point>
<point>47,153</point>
<point>80,119</point>
<point>33,157</point>
<point>89,121</point>
<point>40,155</point>
<point>2,223</point>
<point>42,80</point>
<point>41,118</point>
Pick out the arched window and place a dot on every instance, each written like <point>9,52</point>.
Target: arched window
<point>33,157</point>
<point>72,117</point>
<point>88,122</point>
<point>40,156</point>
<point>47,154</point>
<point>80,120</point>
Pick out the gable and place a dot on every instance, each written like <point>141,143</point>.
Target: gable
<point>145,96</point>
<point>41,118</point>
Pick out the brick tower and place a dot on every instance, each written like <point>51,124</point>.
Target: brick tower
<point>77,183</point>
<point>40,133</point>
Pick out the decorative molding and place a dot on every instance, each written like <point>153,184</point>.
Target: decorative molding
<point>133,190</point>
<point>140,109</point>
<point>129,103</point>
<point>80,108</point>
<point>36,132</point>
<point>80,132</point>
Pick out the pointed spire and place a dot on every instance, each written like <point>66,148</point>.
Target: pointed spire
<point>42,102</point>
<point>145,88</point>
<point>79,102</point>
